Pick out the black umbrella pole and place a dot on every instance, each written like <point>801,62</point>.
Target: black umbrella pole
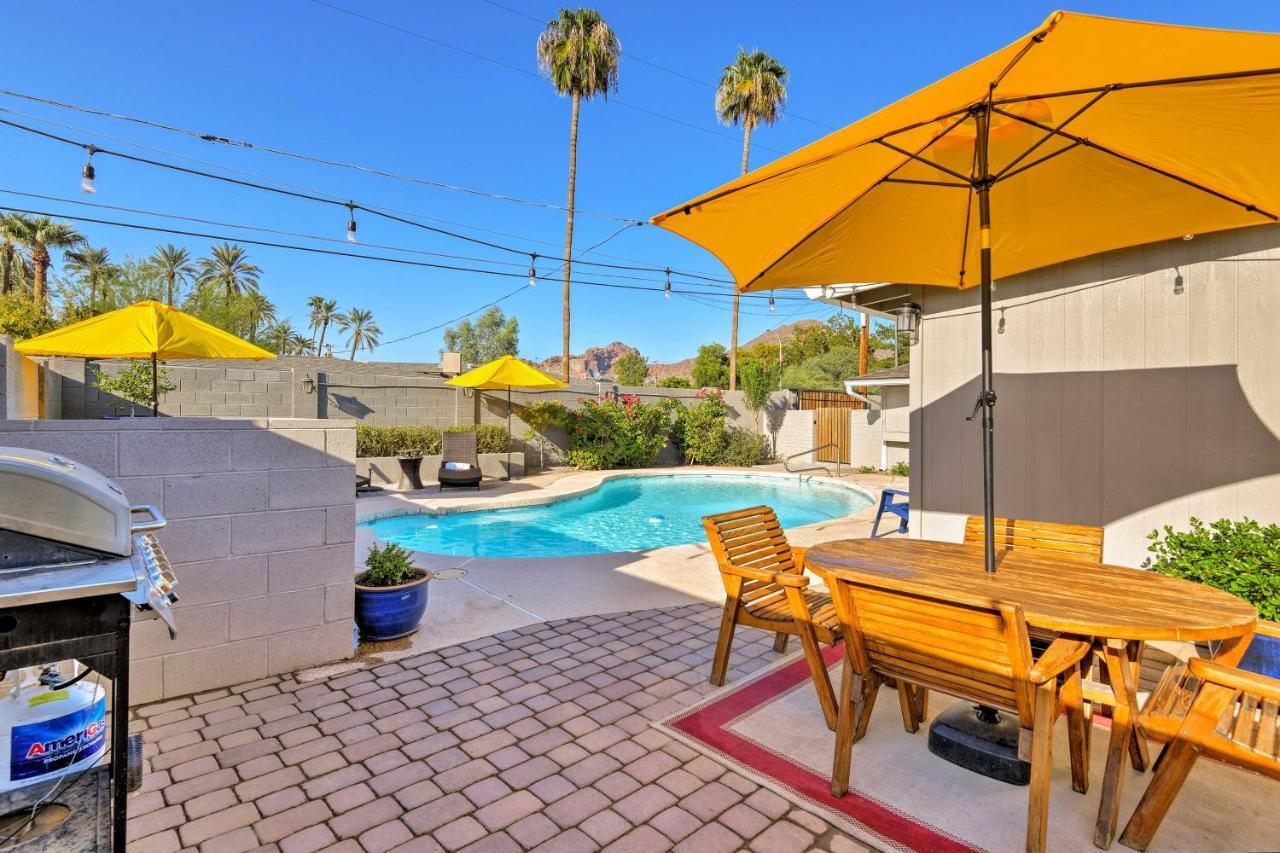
<point>988,399</point>
<point>155,388</point>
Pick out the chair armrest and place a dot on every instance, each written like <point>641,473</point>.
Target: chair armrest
<point>795,579</point>
<point>1236,679</point>
<point>1062,654</point>
<point>798,555</point>
<point>1267,629</point>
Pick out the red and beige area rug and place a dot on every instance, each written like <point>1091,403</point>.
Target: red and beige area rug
<point>902,797</point>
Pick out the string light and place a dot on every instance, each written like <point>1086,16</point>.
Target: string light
<point>351,223</point>
<point>87,174</point>
<point>773,306</point>
<point>666,291</point>
<point>533,269</point>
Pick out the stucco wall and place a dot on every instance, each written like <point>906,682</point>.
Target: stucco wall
<point>879,435</point>
<point>1136,389</point>
<point>261,530</point>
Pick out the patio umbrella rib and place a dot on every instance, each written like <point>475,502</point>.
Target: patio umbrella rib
<point>1018,171</point>
<point>1057,131</point>
<point>1128,158</point>
<point>853,201</point>
<point>1140,84</point>
<point>905,153</point>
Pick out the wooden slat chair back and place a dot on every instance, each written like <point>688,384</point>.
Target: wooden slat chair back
<point>765,587</point>
<point>1018,533</point>
<point>1204,708</point>
<point>979,651</point>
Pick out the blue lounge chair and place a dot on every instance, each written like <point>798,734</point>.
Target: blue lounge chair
<point>901,510</point>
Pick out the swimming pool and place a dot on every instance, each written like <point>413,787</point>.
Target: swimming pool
<point>623,514</point>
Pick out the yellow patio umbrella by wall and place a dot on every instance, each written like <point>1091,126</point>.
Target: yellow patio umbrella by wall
<point>145,330</point>
<point>506,372</point>
<point>1088,134</point>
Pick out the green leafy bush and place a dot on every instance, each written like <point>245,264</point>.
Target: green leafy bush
<point>622,433</point>
<point>397,440</point>
<point>900,469</point>
<point>744,448</point>
<point>700,430</point>
<point>1241,557</point>
<point>134,383</point>
<point>389,565</point>
<point>20,317</point>
<point>490,438</point>
<point>675,382</point>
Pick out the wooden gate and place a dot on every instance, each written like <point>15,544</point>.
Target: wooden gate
<point>830,423</point>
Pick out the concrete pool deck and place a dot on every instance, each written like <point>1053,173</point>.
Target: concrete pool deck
<point>499,595</point>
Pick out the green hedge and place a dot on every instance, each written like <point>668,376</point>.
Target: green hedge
<point>424,440</point>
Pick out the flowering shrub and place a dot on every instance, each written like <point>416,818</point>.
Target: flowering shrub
<point>700,430</point>
<point>621,433</point>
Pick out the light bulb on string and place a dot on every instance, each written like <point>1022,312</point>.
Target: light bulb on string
<point>351,222</point>
<point>666,291</point>
<point>772,305</point>
<point>87,174</point>
<point>533,269</point>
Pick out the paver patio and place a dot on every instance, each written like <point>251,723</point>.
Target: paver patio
<point>536,738</point>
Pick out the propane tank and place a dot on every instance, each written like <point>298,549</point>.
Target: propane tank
<point>49,727</point>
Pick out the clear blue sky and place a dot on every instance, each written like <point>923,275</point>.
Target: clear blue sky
<point>293,74</point>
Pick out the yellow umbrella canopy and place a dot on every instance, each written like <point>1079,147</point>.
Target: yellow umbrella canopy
<point>506,372</point>
<point>1103,133</point>
<point>1086,135</point>
<point>144,330</point>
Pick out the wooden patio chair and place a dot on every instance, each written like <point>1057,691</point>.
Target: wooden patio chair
<point>1077,540</point>
<point>1205,708</point>
<point>765,587</point>
<point>974,650</point>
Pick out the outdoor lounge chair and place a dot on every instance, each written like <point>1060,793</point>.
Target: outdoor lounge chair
<point>970,650</point>
<point>459,463</point>
<point>1020,533</point>
<point>765,587</point>
<point>1202,707</point>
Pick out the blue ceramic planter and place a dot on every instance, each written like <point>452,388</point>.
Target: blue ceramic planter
<point>390,612</point>
<point>1263,656</point>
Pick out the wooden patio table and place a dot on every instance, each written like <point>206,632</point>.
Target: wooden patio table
<point>1118,607</point>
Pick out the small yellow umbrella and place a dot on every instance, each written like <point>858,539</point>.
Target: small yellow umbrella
<point>506,372</point>
<point>147,329</point>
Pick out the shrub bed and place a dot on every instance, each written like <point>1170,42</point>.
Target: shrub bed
<point>622,433</point>
<point>423,440</point>
<point>1241,557</point>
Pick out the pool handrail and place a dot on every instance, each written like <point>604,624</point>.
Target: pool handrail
<point>786,463</point>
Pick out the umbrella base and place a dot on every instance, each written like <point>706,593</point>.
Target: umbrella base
<point>960,736</point>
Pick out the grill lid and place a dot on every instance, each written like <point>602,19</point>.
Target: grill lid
<point>49,496</point>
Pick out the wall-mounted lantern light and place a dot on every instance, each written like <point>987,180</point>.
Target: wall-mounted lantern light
<point>308,384</point>
<point>908,320</point>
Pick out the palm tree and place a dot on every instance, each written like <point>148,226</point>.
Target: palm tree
<point>363,331</point>
<point>11,248</point>
<point>174,265</point>
<point>579,52</point>
<point>228,265</point>
<point>752,91</point>
<point>281,337</point>
<point>323,312</point>
<point>92,265</point>
<point>261,312</point>
<point>39,236</point>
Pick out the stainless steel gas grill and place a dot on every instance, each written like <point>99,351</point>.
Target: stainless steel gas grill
<point>78,564</point>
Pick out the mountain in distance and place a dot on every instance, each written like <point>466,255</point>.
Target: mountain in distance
<point>601,359</point>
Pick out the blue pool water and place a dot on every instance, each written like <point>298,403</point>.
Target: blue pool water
<point>624,514</point>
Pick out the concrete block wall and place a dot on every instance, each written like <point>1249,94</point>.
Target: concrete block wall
<point>27,389</point>
<point>220,392</point>
<point>792,431</point>
<point>261,530</point>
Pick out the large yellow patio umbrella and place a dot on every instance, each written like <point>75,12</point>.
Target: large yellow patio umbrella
<point>146,329</point>
<point>1088,134</point>
<point>506,372</point>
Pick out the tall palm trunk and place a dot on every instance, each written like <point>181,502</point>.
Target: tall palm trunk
<point>39,274</point>
<point>171,285</point>
<point>737,297</point>
<point>93,293</point>
<point>7,262</point>
<point>355,345</point>
<point>568,231</point>
<point>320,343</point>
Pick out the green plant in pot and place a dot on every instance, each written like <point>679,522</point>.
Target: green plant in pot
<point>391,594</point>
<point>1240,557</point>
